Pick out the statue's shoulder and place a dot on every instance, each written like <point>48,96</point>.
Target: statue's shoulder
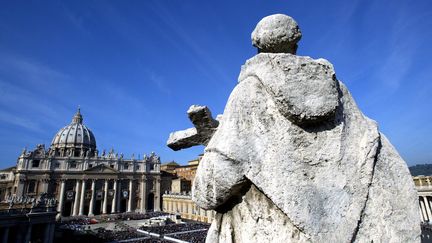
<point>281,63</point>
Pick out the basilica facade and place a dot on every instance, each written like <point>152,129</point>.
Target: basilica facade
<point>83,180</point>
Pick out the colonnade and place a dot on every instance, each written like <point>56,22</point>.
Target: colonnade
<point>109,205</point>
<point>425,208</point>
<point>24,227</point>
<point>183,205</point>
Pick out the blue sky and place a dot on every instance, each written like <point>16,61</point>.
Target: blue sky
<point>135,67</point>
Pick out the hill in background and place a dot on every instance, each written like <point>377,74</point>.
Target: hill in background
<point>425,169</point>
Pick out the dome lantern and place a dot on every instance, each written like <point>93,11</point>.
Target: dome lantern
<point>77,117</point>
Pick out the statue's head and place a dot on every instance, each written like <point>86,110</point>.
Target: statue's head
<point>276,33</point>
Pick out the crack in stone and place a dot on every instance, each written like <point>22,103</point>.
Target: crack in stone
<point>360,221</point>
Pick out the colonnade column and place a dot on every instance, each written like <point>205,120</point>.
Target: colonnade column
<point>77,198</point>
<point>47,234</point>
<point>143,194</point>
<point>28,234</point>
<point>423,210</point>
<point>61,197</point>
<point>428,209</point>
<point>83,187</point>
<point>157,195</point>
<point>129,209</point>
<point>105,199</point>
<point>5,234</point>
<point>421,214</point>
<point>92,199</point>
<point>114,200</point>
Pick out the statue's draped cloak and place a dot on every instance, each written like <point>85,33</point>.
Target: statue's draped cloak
<point>317,175</point>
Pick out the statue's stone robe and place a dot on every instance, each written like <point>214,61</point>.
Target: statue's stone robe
<point>314,172</point>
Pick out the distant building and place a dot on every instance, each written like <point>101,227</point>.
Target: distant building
<point>177,199</point>
<point>424,188</point>
<point>7,178</point>
<point>84,181</point>
<point>169,167</point>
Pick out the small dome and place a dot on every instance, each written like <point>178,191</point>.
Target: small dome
<point>74,135</point>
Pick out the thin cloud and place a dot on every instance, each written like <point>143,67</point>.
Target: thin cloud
<point>27,86</point>
<point>29,71</point>
<point>158,80</point>
<point>201,55</point>
<point>400,56</point>
<point>15,120</point>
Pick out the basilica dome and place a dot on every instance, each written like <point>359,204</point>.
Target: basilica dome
<point>75,136</point>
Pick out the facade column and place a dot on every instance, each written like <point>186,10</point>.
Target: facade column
<point>144,195</point>
<point>119,196</point>
<point>5,234</point>
<point>83,187</point>
<point>428,209</point>
<point>92,199</point>
<point>44,186</point>
<point>129,209</point>
<point>20,185</point>
<point>105,199</point>
<point>157,195</point>
<point>61,197</point>
<point>77,198</point>
<point>115,197</point>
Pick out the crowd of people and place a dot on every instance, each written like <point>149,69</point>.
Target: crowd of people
<point>191,231</point>
<point>175,228</point>
<point>111,235</point>
<point>137,216</point>
<point>195,237</point>
<point>77,224</point>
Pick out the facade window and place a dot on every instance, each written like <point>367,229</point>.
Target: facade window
<point>73,165</point>
<point>31,187</point>
<point>137,167</point>
<point>125,166</point>
<point>90,165</point>
<point>3,177</point>
<point>57,165</point>
<point>35,163</point>
<point>112,166</point>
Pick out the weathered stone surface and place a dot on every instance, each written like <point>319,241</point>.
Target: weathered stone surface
<point>305,90</point>
<point>323,177</point>
<point>204,128</point>
<point>276,33</point>
<point>295,160</point>
<point>260,213</point>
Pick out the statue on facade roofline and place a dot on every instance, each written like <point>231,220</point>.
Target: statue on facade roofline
<point>293,159</point>
<point>82,153</point>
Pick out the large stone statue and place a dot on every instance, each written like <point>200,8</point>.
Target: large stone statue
<point>293,159</point>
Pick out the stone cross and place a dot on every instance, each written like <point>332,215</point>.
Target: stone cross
<point>200,134</point>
